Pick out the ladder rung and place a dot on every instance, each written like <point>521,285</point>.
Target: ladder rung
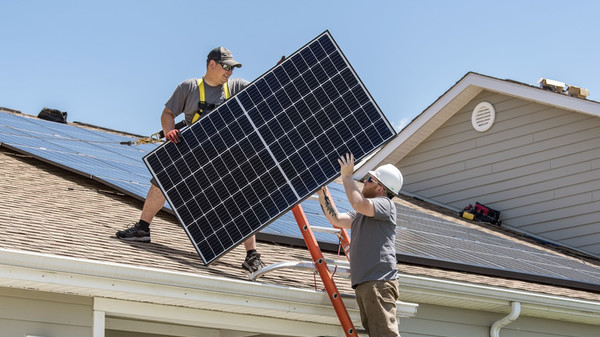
<point>339,263</point>
<point>342,267</point>
<point>325,229</point>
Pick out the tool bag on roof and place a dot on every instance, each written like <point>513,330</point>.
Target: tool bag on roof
<point>481,213</point>
<point>53,115</point>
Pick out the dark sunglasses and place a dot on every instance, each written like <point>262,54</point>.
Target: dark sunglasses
<point>226,67</point>
<point>371,180</point>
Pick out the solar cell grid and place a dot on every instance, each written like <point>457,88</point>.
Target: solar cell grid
<point>92,153</point>
<point>268,147</point>
<point>422,235</point>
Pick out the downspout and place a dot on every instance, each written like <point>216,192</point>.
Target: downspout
<point>515,311</point>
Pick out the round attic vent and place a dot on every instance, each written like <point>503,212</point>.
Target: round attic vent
<point>483,116</point>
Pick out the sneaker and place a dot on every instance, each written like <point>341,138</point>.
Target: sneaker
<point>134,233</point>
<point>253,262</point>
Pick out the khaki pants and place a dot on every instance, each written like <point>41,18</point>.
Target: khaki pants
<point>377,304</point>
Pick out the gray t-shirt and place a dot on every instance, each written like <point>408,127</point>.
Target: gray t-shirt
<point>372,245</point>
<point>186,97</point>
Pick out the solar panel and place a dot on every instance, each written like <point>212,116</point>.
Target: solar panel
<point>268,147</point>
<point>422,238</point>
<point>92,153</point>
<point>426,239</point>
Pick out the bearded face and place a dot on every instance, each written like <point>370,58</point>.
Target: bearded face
<point>370,188</point>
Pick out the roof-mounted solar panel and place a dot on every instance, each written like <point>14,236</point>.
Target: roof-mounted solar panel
<point>267,148</point>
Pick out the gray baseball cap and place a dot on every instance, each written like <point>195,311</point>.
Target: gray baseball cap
<point>223,55</point>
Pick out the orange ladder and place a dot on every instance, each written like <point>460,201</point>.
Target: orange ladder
<point>323,270</point>
<point>320,264</point>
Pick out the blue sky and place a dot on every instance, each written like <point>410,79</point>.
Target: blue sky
<point>115,63</point>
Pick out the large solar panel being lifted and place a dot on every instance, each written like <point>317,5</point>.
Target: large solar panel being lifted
<point>268,147</point>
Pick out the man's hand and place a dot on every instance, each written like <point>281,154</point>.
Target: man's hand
<point>357,199</point>
<point>346,165</point>
<point>173,136</point>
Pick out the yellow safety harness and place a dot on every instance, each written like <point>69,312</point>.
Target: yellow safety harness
<point>154,138</point>
<point>202,98</point>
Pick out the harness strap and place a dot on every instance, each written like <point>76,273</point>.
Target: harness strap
<point>202,96</point>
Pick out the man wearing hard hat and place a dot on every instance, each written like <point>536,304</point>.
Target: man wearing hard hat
<point>372,223</point>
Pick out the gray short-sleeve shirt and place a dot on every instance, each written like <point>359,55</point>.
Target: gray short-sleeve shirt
<point>372,245</point>
<point>186,97</point>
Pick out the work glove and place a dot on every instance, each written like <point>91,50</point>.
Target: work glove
<point>173,136</point>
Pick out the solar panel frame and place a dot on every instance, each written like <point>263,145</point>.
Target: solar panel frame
<point>268,147</point>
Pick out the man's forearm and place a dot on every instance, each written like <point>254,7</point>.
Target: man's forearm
<point>327,206</point>
<point>355,196</point>
<point>167,121</point>
<point>331,212</point>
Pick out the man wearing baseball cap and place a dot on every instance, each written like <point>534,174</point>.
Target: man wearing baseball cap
<point>193,98</point>
<point>223,55</point>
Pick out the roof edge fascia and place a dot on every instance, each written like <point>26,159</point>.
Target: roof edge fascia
<point>67,275</point>
<point>44,272</point>
<point>534,93</point>
<point>478,296</point>
<point>156,277</point>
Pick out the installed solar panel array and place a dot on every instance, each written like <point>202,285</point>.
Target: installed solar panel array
<point>430,240</point>
<point>422,238</point>
<point>92,153</point>
<point>267,148</point>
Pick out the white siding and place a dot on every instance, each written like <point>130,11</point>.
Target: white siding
<point>440,321</point>
<point>44,314</point>
<point>539,165</point>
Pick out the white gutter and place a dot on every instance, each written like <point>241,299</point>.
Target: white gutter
<point>515,311</point>
<point>273,306</point>
<point>298,308</point>
<point>458,294</point>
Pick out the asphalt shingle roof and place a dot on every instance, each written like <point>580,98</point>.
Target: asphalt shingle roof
<point>50,210</point>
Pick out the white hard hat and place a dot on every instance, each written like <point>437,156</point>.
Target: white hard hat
<point>389,176</point>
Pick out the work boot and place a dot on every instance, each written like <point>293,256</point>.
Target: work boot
<point>134,233</point>
<point>253,262</point>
